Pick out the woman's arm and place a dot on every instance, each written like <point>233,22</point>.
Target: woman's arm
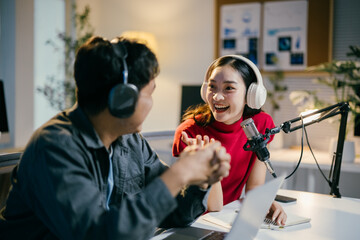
<point>256,178</point>
<point>215,200</point>
<point>257,175</point>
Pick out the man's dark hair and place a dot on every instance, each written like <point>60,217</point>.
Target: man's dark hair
<point>98,68</point>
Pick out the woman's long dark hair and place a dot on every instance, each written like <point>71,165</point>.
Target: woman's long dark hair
<point>201,113</point>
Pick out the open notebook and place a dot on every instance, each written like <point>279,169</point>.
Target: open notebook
<point>226,219</point>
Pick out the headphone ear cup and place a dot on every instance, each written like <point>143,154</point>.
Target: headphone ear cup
<point>122,100</point>
<point>203,91</point>
<point>256,96</point>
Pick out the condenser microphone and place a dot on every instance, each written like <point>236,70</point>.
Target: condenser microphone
<point>257,143</point>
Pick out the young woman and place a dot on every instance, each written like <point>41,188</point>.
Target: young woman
<point>233,91</point>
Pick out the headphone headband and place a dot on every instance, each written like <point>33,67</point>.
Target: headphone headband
<point>252,65</point>
<point>121,52</point>
<point>123,96</point>
<point>256,70</point>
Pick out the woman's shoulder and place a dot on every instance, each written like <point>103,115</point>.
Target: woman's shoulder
<point>188,123</point>
<point>263,119</point>
<point>190,127</point>
<point>262,116</point>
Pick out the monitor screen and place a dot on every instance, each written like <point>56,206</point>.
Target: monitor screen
<point>4,126</point>
<point>190,96</point>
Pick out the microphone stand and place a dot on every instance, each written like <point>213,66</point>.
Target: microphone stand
<point>341,108</point>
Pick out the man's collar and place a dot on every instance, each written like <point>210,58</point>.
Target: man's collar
<point>85,127</point>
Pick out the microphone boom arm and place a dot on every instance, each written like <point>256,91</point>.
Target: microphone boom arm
<point>341,108</point>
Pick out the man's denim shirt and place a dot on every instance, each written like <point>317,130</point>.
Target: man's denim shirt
<point>60,186</point>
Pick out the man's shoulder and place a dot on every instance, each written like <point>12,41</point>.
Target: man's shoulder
<point>57,130</point>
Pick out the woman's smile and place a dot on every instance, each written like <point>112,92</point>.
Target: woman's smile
<point>220,108</point>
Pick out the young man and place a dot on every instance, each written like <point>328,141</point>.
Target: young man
<point>88,174</point>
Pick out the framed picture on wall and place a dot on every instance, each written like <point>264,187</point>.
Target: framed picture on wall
<point>275,34</point>
<point>285,35</point>
<point>240,30</point>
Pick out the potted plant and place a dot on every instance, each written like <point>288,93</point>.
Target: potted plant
<point>61,92</point>
<point>275,93</point>
<point>343,77</point>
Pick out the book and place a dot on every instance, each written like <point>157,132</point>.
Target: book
<point>226,219</point>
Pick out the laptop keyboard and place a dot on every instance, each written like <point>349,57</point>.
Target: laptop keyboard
<point>214,236</point>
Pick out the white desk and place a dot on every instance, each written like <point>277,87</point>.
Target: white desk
<point>331,218</point>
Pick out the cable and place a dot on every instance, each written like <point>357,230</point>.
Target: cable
<point>302,147</point>
<point>302,151</point>
<point>317,164</point>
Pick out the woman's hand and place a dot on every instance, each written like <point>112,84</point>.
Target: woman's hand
<point>215,199</point>
<point>276,213</point>
<point>199,140</point>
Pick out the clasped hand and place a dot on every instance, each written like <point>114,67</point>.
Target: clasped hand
<point>208,162</point>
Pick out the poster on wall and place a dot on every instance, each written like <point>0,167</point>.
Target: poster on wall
<point>285,35</point>
<point>240,30</point>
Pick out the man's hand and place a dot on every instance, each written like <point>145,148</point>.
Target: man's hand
<point>222,160</point>
<point>202,163</point>
<point>205,163</point>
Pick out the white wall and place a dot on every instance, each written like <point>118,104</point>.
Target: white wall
<point>47,59</point>
<point>24,71</point>
<point>185,34</point>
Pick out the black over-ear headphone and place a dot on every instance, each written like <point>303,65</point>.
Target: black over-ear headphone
<point>122,97</point>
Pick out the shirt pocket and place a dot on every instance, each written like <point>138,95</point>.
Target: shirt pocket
<point>134,185</point>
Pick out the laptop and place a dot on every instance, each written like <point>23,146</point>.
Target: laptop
<point>247,222</point>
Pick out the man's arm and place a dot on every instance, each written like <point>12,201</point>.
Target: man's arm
<point>64,193</point>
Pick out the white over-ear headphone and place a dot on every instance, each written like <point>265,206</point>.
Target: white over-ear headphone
<point>256,94</point>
